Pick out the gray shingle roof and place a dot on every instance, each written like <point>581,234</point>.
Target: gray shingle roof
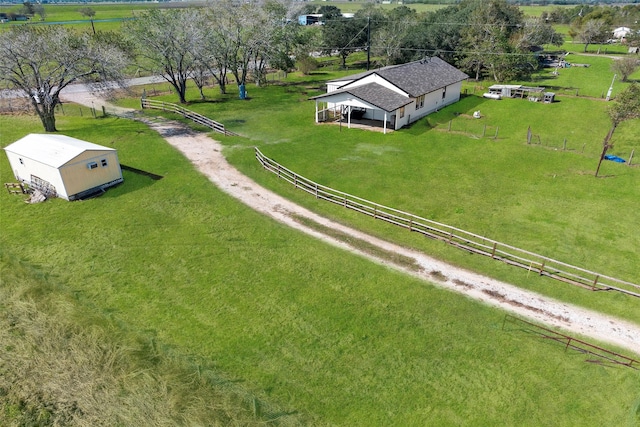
<point>416,78</point>
<point>375,94</point>
<point>420,77</point>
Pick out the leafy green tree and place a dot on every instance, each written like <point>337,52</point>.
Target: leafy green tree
<point>486,40</point>
<point>626,105</point>
<point>28,8</point>
<point>40,61</point>
<point>329,12</point>
<point>344,35</point>
<point>392,28</point>
<point>438,32</point>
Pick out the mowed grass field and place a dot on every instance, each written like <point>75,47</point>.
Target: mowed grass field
<point>325,336</point>
<point>540,197</point>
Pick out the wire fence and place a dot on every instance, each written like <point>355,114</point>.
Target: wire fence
<point>535,263</point>
<point>601,355</point>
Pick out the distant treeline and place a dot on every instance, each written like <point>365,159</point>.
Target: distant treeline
<point>535,3</point>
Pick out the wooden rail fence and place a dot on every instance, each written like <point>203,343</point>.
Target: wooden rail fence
<point>569,342</point>
<point>188,114</point>
<point>535,263</point>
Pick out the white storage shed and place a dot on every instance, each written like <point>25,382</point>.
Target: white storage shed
<point>62,166</point>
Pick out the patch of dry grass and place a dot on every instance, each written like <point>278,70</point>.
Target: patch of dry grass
<point>61,364</point>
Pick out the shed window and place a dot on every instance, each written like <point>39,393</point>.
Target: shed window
<point>419,102</point>
<point>401,112</point>
<point>103,162</point>
<point>444,93</point>
<point>92,165</point>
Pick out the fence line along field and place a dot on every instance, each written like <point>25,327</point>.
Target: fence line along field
<point>542,265</point>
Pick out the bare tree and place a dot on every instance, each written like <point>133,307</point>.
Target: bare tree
<point>39,10</point>
<point>237,28</point>
<point>166,41</point>
<point>625,107</point>
<point>537,32</point>
<point>89,12</point>
<point>212,56</point>
<point>592,31</point>
<point>625,67</point>
<point>41,61</point>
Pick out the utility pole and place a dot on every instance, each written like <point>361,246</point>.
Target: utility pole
<point>611,88</point>
<point>368,42</point>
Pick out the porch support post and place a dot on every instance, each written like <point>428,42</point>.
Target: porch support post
<point>317,112</point>
<point>385,123</point>
<point>349,117</point>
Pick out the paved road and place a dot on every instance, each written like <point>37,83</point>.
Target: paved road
<point>84,88</point>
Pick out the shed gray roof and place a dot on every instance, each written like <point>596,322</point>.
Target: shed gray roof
<point>416,78</point>
<point>375,94</point>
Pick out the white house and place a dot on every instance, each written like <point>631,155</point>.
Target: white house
<point>62,166</point>
<point>396,95</point>
<point>621,32</point>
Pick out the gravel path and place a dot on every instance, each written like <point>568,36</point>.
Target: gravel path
<point>206,154</point>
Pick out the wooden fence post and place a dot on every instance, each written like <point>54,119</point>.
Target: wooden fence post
<point>631,157</point>
<point>484,130</point>
<point>496,135</point>
<point>564,145</point>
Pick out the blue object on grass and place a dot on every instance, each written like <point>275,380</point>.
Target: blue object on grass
<point>614,158</point>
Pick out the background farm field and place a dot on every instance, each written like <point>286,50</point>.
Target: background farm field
<point>305,327</point>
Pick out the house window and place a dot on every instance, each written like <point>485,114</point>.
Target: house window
<point>103,162</point>
<point>420,102</point>
<point>444,93</point>
<point>401,112</point>
<point>92,165</point>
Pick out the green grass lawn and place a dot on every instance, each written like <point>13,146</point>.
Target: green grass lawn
<point>305,327</point>
<point>539,197</point>
<point>593,81</point>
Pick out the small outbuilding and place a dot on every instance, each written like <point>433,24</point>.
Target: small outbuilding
<point>621,32</point>
<point>62,166</point>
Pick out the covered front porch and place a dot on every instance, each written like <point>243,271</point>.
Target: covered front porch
<point>355,115</point>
